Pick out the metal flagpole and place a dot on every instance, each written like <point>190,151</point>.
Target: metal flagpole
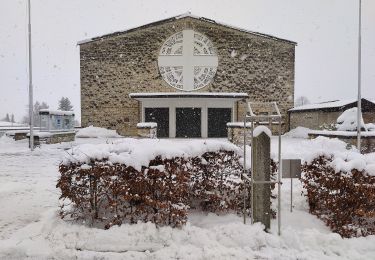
<point>31,114</point>
<point>244,166</point>
<point>359,106</point>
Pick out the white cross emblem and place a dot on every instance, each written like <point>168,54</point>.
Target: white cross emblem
<point>190,62</point>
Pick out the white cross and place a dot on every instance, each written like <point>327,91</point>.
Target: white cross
<point>188,60</point>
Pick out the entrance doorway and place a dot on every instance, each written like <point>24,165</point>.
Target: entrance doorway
<point>159,115</point>
<point>188,122</point>
<point>217,121</point>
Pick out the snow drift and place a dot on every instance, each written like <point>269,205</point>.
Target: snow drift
<point>96,132</point>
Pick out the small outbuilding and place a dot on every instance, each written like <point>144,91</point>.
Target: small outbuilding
<point>324,115</point>
<point>56,120</point>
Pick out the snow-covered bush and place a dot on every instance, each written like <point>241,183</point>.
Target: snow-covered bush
<point>106,193</point>
<point>299,132</point>
<point>343,198</point>
<point>347,121</point>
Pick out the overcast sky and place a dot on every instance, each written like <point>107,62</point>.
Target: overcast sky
<point>325,30</point>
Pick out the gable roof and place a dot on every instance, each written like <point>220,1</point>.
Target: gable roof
<point>181,17</point>
<point>336,105</point>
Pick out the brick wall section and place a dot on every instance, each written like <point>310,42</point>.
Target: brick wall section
<point>114,66</point>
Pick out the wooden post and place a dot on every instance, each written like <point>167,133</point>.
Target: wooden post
<point>262,169</point>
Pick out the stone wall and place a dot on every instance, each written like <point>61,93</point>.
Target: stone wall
<point>56,138</point>
<point>114,66</point>
<point>315,119</point>
<point>235,135</point>
<point>53,137</point>
<point>146,132</point>
<point>367,142</point>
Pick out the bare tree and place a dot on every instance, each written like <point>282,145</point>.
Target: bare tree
<point>301,100</point>
<point>37,107</point>
<point>7,119</point>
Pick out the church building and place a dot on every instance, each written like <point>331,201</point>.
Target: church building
<point>191,75</point>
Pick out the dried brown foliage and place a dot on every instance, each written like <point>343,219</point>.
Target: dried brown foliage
<point>345,202</point>
<point>107,194</point>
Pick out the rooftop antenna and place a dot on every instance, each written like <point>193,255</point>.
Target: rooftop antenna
<point>359,105</point>
<point>31,112</point>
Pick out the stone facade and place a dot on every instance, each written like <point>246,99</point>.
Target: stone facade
<point>115,65</point>
<point>235,135</point>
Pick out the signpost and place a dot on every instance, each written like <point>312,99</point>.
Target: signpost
<point>291,168</point>
<point>257,112</point>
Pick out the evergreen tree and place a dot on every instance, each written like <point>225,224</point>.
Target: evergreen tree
<point>65,104</point>
<point>12,119</point>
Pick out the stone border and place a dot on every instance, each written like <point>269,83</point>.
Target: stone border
<point>367,141</point>
<point>147,130</point>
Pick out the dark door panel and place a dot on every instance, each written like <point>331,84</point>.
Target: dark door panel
<point>217,121</point>
<point>188,122</point>
<point>159,115</point>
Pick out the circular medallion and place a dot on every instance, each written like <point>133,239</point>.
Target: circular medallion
<point>188,60</point>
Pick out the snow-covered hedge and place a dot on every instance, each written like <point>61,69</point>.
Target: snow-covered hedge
<point>342,193</point>
<point>151,180</point>
<point>106,193</point>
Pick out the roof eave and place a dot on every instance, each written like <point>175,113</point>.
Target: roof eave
<point>182,16</point>
<point>189,95</point>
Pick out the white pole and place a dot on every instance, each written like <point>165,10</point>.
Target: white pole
<point>31,114</point>
<point>279,181</point>
<point>359,106</point>
<point>244,166</point>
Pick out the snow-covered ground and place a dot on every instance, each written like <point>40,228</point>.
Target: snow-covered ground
<point>31,228</point>
<point>10,124</point>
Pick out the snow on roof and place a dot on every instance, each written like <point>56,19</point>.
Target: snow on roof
<point>329,104</point>
<point>56,112</point>
<point>189,94</point>
<point>188,14</point>
<point>238,124</point>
